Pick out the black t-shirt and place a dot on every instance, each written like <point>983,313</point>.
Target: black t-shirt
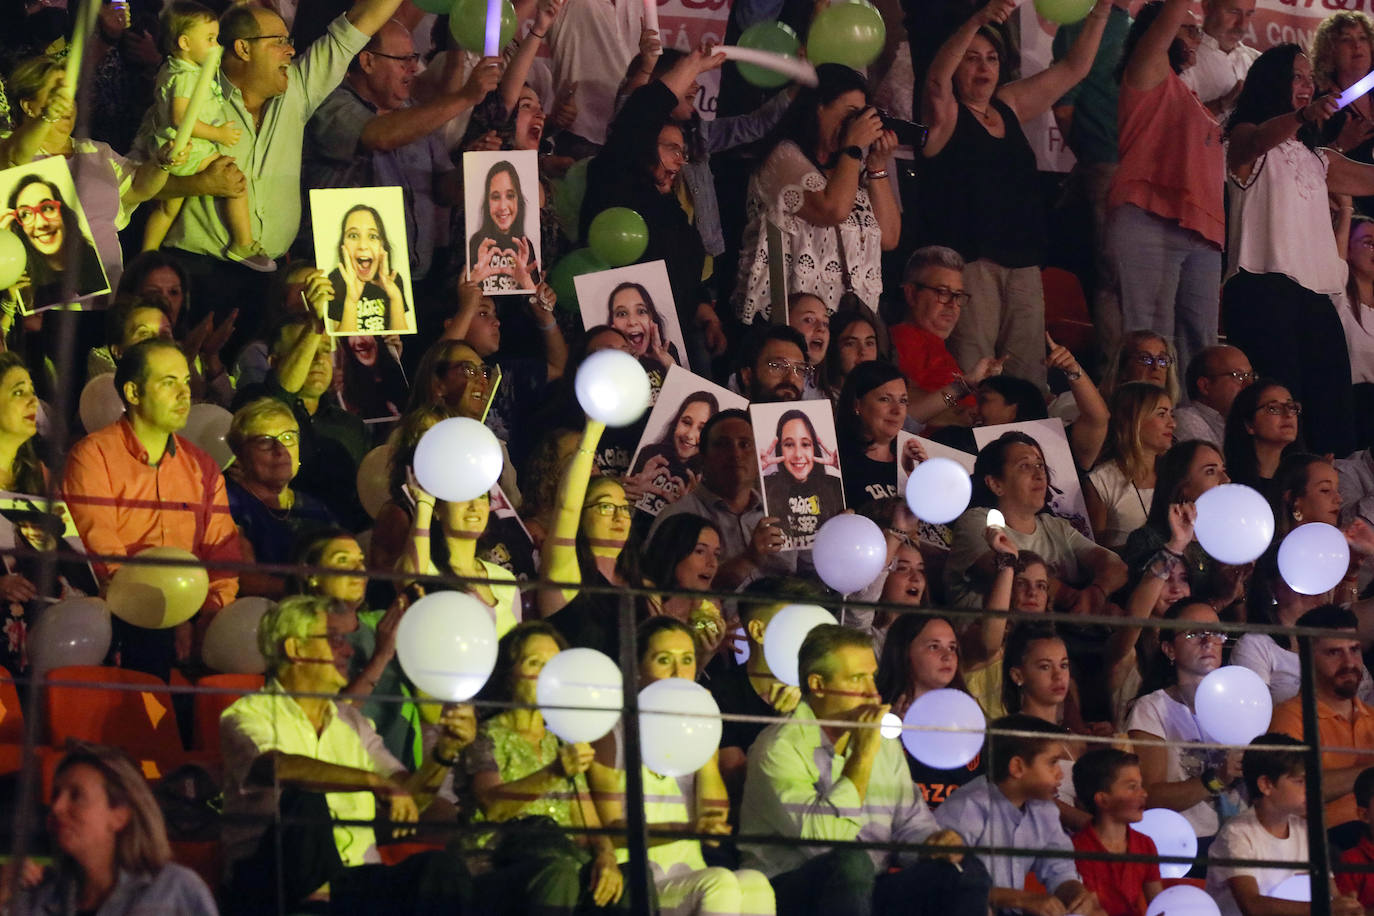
<point>729,685</point>
<point>866,479</point>
<point>803,505</point>
<point>935,785</point>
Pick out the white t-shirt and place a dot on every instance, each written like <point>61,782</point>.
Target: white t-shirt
<point>1216,72</point>
<point>1161,715</point>
<point>1359,338</point>
<point>593,42</point>
<point>1054,539</point>
<point>1243,837</point>
<point>1127,504</point>
<point>1280,668</point>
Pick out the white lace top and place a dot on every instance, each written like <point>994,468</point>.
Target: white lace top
<point>813,264</point>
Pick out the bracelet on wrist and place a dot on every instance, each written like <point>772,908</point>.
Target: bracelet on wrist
<point>1073,375</point>
<point>547,327</point>
<point>1004,561</point>
<point>877,174</point>
<point>539,35</point>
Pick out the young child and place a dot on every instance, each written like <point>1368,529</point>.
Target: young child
<point>1109,786</point>
<point>191,32</point>
<point>1014,806</point>
<point>1361,884</point>
<point>1275,828</point>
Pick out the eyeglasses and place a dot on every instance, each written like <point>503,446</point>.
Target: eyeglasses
<point>1281,409</point>
<point>283,41</point>
<point>48,209</point>
<point>410,59</point>
<point>1149,359</point>
<point>609,509</point>
<point>1245,378</point>
<point>944,295</point>
<point>1203,636</point>
<point>469,369</point>
<point>288,439</point>
<point>800,370</point>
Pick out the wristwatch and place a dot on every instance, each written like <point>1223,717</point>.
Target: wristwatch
<point>1211,783</point>
<point>854,152</point>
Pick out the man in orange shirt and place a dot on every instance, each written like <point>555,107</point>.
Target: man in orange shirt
<point>1342,720</point>
<point>135,484</point>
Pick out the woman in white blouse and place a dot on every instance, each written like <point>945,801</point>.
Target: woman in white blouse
<point>826,186</point>
<point>1123,483</point>
<point>1356,310</point>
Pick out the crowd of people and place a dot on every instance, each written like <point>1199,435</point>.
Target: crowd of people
<point>1222,188</point>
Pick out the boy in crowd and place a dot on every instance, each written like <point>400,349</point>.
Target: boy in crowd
<point>1108,785</point>
<point>1360,885</point>
<point>1275,829</point>
<point>1014,806</point>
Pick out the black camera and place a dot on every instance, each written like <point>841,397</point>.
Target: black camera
<point>909,133</point>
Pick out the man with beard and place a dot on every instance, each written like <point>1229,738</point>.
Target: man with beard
<point>773,365</point>
<point>750,542</point>
<point>1342,720</point>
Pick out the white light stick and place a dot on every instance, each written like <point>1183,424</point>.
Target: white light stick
<point>794,68</point>
<point>81,33</point>
<point>209,71</point>
<point>995,519</point>
<point>1361,86</point>
<point>492,45</point>
<point>651,15</point>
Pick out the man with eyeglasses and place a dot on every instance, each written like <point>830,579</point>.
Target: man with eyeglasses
<point>772,366</point>
<point>136,484</point>
<point>1343,720</point>
<point>369,133</point>
<point>271,92</point>
<point>1214,377</point>
<point>299,765</point>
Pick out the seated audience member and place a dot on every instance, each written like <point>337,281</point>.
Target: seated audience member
<point>728,495</point>
<point>1182,474</point>
<point>807,315</point>
<point>1275,829</point>
<point>684,555</point>
<point>1360,884</point>
<point>1214,377</point>
<point>1010,474</point>
<point>110,847</point>
<point>129,320</point>
<point>868,416</point>
<point>136,484</point>
<point>1021,583</point>
<point>921,654</point>
<point>1187,780</point>
<point>1343,720</point>
<point>683,884</point>
<point>1014,805</point>
<point>271,515</point>
<point>1354,309</point>
<point>1306,489</point>
<point>1108,784</point>
<point>1121,487</point>
<point>518,769</point>
<point>798,787</point>
<point>295,764</point>
<point>158,277</point>
<point>856,336</point>
<point>1264,424</point>
<point>1143,356</point>
<point>772,365</point>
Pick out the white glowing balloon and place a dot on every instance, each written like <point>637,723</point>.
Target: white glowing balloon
<point>1183,900</point>
<point>890,726</point>
<point>938,490</point>
<point>207,426</point>
<point>458,459</point>
<point>446,643</point>
<point>1234,524</point>
<point>613,387</point>
<point>1298,889</point>
<point>582,678</point>
<point>1233,705</point>
<point>1313,558</point>
<point>679,726</point>
<point>946,708</point>
<point>783,638</point>
<point>1173,836</point>
<point>100,404</point>
<point>739,644</point>
<point>849,552</point>
<point>231,641</point>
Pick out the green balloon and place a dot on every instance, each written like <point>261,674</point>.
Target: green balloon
<point>573,264</point>
<point>437,7</point>
<point>467,21</point>
<point>618,236</point>
<point>777,37</point>
<point>846,33</point>
<point>1064,12</point>
<point>567,198</point>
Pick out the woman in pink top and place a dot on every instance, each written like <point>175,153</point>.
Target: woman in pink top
<point>1166,222</point>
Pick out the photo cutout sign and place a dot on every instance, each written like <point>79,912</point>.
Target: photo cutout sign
<point>799,467</point>
<point>668,458</point>
<point>361,244</point>
<point>41,209</point>
<point>501,220</point>
<point>638,302</point>
<point>1066,494</point>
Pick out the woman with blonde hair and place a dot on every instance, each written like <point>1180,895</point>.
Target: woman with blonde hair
<point>1143,356</point>
<point>1342,52</point>
<point>111,850</point>
<point>1123,483</point>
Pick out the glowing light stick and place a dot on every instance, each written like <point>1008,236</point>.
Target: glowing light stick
<point>81,33</point>
<point>209,71</point>
<point>1361,86</point>
<point>794,68</point>
<point>651,15</point>
<point>492,45</point>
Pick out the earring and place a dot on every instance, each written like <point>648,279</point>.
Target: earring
<point>1297,515</point>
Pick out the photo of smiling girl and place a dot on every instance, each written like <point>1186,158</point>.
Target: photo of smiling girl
<point>802,485</point>
<point>502,220</point>
<point>38,212</point>
<point>371,277</point>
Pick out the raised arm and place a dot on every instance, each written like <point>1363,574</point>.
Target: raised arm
<point>939,107</point>
<point>368,16</point>
<point>1346,176</point>
<point>1149,62</point>
<point>558,559</point>
<point>519,68</point>
<point>294,367</point>
<point>1247,142</point>
<point>404,126</point>
<point>1031,97</point>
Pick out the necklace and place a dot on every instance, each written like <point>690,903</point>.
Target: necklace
<point>984,115</point>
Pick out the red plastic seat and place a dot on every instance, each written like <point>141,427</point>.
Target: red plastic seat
<point>130,710</point>
<point>1066,312</point>
<point>208,706</point>
<point>11,711</point>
